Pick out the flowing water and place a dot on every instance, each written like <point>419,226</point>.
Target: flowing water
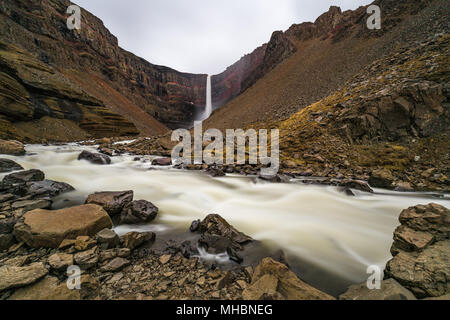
<point>208,107</point>
<point>335,235</point>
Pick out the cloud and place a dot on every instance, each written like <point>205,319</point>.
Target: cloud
<point>202,36</point>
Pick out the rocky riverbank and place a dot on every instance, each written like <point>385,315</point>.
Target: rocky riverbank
<point>38,244</point>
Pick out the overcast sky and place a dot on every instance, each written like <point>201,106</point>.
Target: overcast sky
<point>202,36</point>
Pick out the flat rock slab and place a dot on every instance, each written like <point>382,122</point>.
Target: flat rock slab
<point>15,277</point>
<point>46,228</point>
<point>389,290</point>
<point>48,288</point>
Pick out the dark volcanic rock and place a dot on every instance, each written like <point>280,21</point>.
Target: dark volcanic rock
<point>95,158</point>
<point>138,212</point>
<point>7,165</point>
<point>24,177</point>
<point>112,202</point>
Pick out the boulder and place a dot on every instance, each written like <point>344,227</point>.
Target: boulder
<point>11,147</point>
<point>112,202</point>
<point>218,235</point>
<point>87,259</point>
<point>390,290</point>
<point>83,243</point>
<point>421,251</point>
<point>15,277</point>
<point>107,238</point>
<point>162,162</point>
<point>382,179</point>
<point>60,261</point>
<point>6,241</point>
<point>48,288</point>
<point>24,177</point>
<point>288,286</point>
<point>48,188</point>
<point>95,158</point>
<point>133,240</point>
<point>138,212</point>
<point>28,205</point>
<point>7,165</point>
<point>44,228</point>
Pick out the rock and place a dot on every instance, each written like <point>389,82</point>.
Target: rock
<point>218,235</point>
<point>234,256</point>
<point>195,225</point>
<point>406,239</point>
<point>7,165</point>
<point>108,238</point>
<point>6,241</point>
<point>138,212</point>
<point>425,273</point>
<point>266,285</point>
<point>114,253</point>
<point>48,188</point>
<point>66,243</point>
<point>7,225</point>
<point>132,240</point>
<point>165,258</point>
<point>87,259</point>
<point>403,187</point>
<point>44,228</point>
<point>357,185</point>
<point>112,202</point>
<point>28,205</point>
<point>83,243</point>
<point>289,286</point>
<point>11,147</point>
<point>6,197</point>
<point>390,290</point>
<point>15,277</point>
<point>381,179</point>
<point>18,261</point>
<point>60,261</point>
<point>95,158</point>
<point>48,288</point>
<point>24,177</point>
<point>115,265</point>
<point>162,162</point>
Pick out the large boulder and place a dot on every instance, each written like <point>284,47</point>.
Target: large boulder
<point>48,188</point>
<point>15,277</point>
<point>140,211</point>
<point>11,147</point>
<point>390,290</point>
<point>95,158</point>
<point>112,202</point>
<point>218,235</point>
<point>45,228</point>
<point>48,288</point>
<point>421,251</point>
<point>272,279</point>
<point>7,165</point>
<point>32,175</point>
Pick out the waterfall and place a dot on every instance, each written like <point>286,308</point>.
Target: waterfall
<point>208,107</point>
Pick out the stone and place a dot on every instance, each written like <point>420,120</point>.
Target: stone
<point>87,259</point>
<point>218,235</point>
<point>115,265</point>
<point>425,273</point>
<point>28,205</point>
<point>114,253</point>
<point>95,158</point>
<point>7,165</point>
<point>133,240</point>
<point>108,238</point>
<point>11,147</point>
<point>112,202</point>
<point>45,228</point>
<point>60,261</point>
<point>24,177</point>
<point>381,179</point>
<point>266,285</point>
<point>406,239</point>
<point>6,197</point>
<point>6,241</point>
<point>165,258</point>
<point>48,188</point>
<point>15,277</point>
<point>18,261</point>
<point>162,162</point>
<point>83,243</point>
<point>390,290</point>
<point>48,288</point>
<point>7,225</point>
<point>195,225</point>
<point>289,286</point>
<point>140,211</point>
<point>66,243</point>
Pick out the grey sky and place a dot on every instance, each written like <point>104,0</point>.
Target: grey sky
<point>202,36</point>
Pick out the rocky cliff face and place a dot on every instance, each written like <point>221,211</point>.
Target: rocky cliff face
<point>152,97</point>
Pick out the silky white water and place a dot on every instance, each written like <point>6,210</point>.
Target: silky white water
<point>208,106</point>
<point>340,234</point>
